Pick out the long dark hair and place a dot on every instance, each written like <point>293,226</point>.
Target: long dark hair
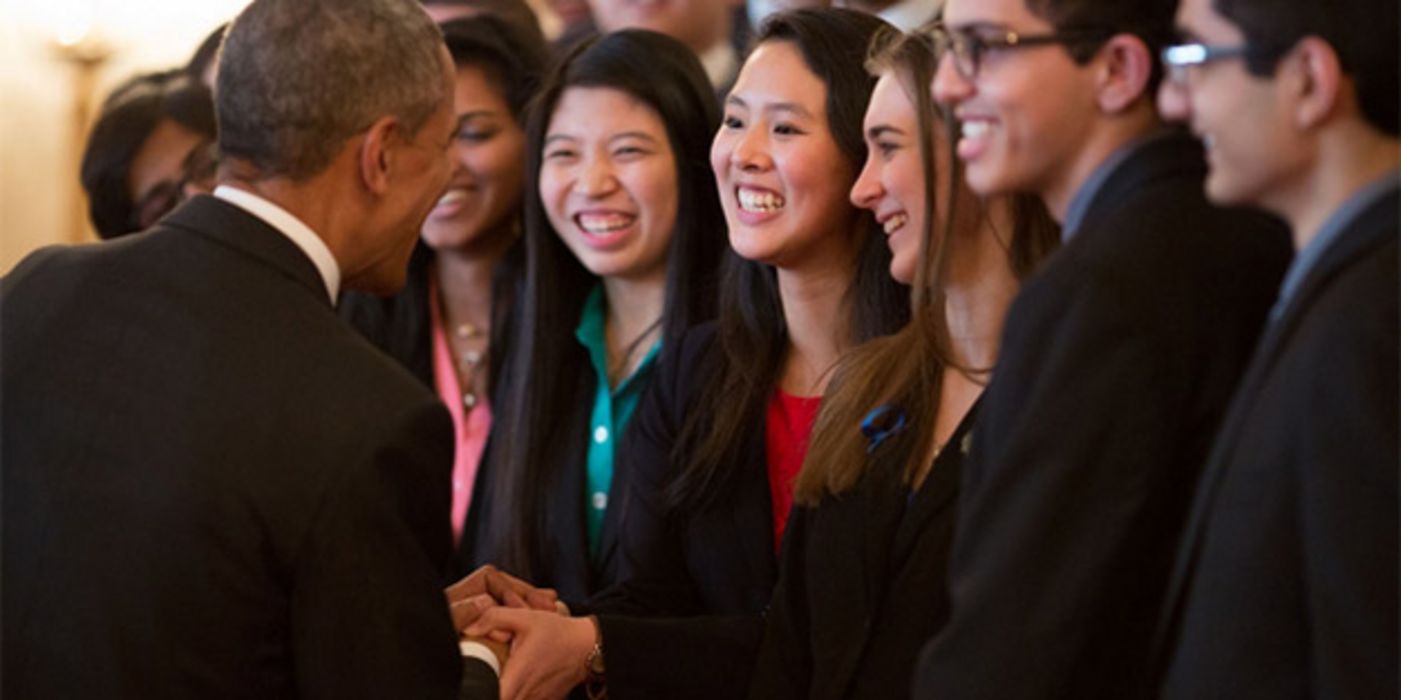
<point>548,371</point>
<point>906,369</point>
<point>752,333</point>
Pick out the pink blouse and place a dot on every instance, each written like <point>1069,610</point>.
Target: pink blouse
<point>471,428</point>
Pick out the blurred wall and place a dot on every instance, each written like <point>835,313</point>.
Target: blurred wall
<point>39,147</point>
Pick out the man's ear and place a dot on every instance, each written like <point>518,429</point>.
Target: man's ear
<point>377,150</point>
<point>1124,66</point>
<point>1314,78</point>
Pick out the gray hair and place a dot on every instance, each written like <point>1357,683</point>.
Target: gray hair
<point>299,77</point>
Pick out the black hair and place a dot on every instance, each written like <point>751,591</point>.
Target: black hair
<point>548,373</point>
<point>127,118</point>
<point>1149,20</point>
<point>1361,32</point>
<point>752,336</point>
<point>514,60</point>
<point>516,13</point>
<point>207,53</point>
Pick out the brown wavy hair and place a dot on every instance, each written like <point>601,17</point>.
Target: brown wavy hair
<point>906,369</point>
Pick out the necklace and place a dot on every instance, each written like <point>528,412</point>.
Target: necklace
<point>617,371</point>
<point>470,347</point>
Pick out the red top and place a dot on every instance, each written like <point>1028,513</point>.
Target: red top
<point>789,424</point>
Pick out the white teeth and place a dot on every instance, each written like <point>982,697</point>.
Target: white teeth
<point>760,201</point>
<point>895,223</point>
<point>598,224</point>
<point>974,129</point>
<point>452,197</point>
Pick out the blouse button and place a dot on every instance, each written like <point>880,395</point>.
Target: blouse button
<point>600,435</point>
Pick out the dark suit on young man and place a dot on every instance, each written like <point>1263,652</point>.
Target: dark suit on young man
<point>213,487</point>
<point>1287,582</point>
<point>1117,362</point>
<point>685,620</point>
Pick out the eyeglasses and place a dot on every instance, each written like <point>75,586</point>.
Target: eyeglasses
<point>198,168</point>
<point>1179,60</point>
<point>968,47</point>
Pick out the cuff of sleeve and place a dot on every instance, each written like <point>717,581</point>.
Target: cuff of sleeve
<point>477,650</point>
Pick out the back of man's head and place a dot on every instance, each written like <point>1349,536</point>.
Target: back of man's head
<point>1149,20</point>
<point>1361,32</point>
<point>297,78</point>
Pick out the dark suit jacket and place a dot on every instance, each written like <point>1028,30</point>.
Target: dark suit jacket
<point>213,487</point>
<point>402,327</point>
<point>1287,584</point>
<point>684,620</point>
<point>1118,360</point>
<point>563,561</point>
<point>861,585</point>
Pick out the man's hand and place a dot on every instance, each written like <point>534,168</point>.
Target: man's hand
<point>548,651</point>
<point>504,589</point>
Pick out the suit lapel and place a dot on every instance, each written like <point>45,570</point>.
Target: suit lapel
<point>231,226</point>
<point>940,489</point>
<point>1368,232</point>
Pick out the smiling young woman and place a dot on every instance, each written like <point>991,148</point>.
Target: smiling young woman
<point>714,447</point>
<point>623,237</point>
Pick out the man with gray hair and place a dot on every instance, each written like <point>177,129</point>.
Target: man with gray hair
<point>213,488</point>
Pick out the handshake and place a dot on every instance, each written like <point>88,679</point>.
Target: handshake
<point>542,650</point>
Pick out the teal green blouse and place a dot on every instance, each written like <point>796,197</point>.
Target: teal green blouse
<point>612,408</point>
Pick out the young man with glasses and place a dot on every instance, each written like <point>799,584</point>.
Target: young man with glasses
<point>1286,584</point>
<point>1118,358</point>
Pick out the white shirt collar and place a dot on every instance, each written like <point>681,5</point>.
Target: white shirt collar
<point>291,227</point>
<point>720,62</point>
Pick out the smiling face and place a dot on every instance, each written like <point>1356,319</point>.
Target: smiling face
<point>1027,114</point>
<point>484,191</point>
<point>608,182</point>
<point>892,184</point>
<point>1250,145</point>
<point>783,180</point>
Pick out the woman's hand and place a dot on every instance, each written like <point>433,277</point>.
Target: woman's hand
<point>548,650</point>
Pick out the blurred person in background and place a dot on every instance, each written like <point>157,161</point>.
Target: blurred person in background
<point>707,27</point>
<point>515,12</point>
<point>150,149</point>
<point>906,15</point>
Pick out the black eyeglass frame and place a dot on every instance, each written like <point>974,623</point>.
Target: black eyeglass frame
<point>968,47</point>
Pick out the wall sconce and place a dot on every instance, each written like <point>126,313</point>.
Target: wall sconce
<point>77,43</point>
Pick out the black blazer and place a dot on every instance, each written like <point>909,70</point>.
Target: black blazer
<point>1287,582</point>
<point>213,487</point>
<point>861,584</point>
<point>685,621</point>
<point>402,327</point>
<point>1118,361</point>
<point>563,560</point>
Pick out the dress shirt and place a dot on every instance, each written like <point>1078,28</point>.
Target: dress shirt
<point>290,226</point>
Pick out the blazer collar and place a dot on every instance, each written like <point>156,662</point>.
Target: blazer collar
<point>230,226</point>
<point>1171,154</point>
